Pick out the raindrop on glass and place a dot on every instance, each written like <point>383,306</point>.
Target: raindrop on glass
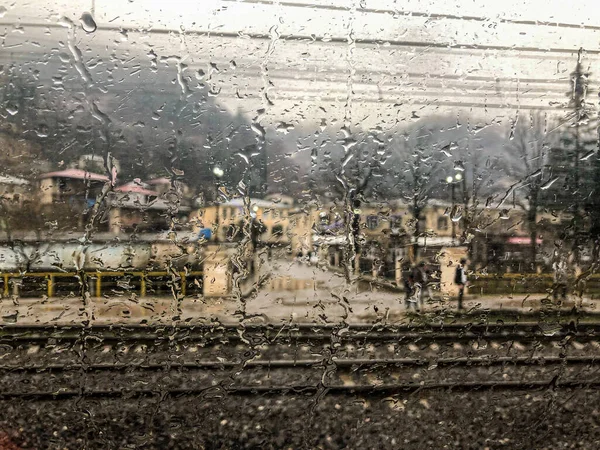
<point>456,214</point>
<point>459,165</point>
<point>88,23</point>
<point>42,131</point>
<point>549,183</point>
<point>12,110</point>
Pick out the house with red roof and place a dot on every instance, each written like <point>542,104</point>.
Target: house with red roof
<point>144,206</point>
<point>71,186</point>
<point>149,206</point>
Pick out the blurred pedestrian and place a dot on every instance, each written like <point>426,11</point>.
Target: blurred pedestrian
<point>408,281</point>
<point>561,278</point>
<point>421,287</point>
<point>460,279</point>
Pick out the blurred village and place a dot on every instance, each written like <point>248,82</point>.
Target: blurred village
<point>370,239</point>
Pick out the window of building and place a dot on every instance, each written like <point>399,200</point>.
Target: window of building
<point>442,223</point>
<point>396,222</point>
<point>372,222</point>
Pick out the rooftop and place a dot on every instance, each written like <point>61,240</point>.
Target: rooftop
<point>260,203</point>
<point>76,174</point>
<point>135,187</point>
<point>162,180</point>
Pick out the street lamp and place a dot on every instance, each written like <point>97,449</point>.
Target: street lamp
<point>218,173</point>
<point>452,182</point>
<point>255,226</point>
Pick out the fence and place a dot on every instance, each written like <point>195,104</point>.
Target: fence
<point>507,284</point>
<point>51,284</point>
<point>157,283</point>
<point>516,283</point>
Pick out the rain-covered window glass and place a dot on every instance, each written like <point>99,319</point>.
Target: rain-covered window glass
<point>299,224</point>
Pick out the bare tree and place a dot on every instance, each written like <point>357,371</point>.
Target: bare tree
<point>528,151</point>
<point>420,172</point>
<point>479,172</point>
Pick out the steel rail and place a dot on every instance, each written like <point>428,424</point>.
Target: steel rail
<point>265,334</point>
<point>300,326</point>
<point>344,363</point>
<point>385,390</point>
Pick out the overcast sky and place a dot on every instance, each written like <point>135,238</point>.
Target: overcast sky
<point>372,63</point>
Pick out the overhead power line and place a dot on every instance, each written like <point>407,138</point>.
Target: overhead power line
<point>540,23</point>
<point>332,40</point>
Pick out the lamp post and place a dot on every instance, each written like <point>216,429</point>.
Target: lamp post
<point>218,173</point>
<point>452,182</point>
<point>254,227</point>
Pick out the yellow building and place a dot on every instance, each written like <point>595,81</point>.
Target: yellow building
<point>384,220</point>
<point>280,222</point>
<point>300,230</point>
<point>226,219</point>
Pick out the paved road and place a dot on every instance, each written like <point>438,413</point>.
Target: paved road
<point>292,291</point>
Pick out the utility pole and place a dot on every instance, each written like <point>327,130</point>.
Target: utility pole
<point>579,84</point>
<point>218,173</point>
<point>452,210</point>
<point>452,181</point>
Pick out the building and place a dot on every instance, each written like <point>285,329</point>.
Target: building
<point>135,206</point>
<point>75,187</point>
<point>503,241</point>
<point>128,204</point>
<point>386,234</point>
<point>163,186</point>
<point>271,218</point>
<point>497,238</point>
<point>300,230</point>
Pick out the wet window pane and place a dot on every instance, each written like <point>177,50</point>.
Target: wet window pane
<point>299,224</point>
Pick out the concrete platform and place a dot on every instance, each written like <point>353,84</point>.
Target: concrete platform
<point>291,292</point>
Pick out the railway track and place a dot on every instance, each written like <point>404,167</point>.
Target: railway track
<point>298,364</point>
<point>343,375</point>
<point>272,333</point>
<point>69,345</point>
<point>53,363</point>
<point>388,390</point>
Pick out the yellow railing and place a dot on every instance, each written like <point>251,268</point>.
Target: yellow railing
<point>513,276</point>
<point>96,277</point>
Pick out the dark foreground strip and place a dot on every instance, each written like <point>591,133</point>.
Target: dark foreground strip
<point>304,363</point>
<point>369,390</point>
<point>257,334</point>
